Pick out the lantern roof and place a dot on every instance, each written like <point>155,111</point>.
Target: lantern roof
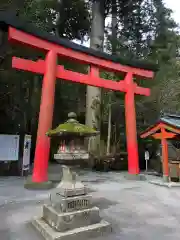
<point>72,127</point>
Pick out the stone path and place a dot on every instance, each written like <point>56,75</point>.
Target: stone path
<point>137,210</point>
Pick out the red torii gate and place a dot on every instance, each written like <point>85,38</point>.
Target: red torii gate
<point>51,71</point>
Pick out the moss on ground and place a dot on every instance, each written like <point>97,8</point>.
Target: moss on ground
<point>29,184</point>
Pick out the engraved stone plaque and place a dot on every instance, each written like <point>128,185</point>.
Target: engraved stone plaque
<point>72,203</point>
<point>78,204</point>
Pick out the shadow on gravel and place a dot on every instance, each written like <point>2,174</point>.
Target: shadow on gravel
<point>103,203</point>
<point>100,180</point>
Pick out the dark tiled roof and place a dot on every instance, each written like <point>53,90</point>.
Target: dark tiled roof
<point>9,19</point>
<point>172,119</point>
<point>169,119</point>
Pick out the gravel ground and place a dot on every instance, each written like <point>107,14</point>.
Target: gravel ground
<point>136,209</point>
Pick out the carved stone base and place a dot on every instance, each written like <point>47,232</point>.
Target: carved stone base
<point>100,229</point>
<point>62,222</point>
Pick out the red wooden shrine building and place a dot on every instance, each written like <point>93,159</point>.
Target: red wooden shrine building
<point>19,32</point>
<point>166,128</point>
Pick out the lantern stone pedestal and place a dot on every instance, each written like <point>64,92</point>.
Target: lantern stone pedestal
<point>70,215</point>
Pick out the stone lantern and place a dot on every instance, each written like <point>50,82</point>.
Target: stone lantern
<point>70,213</point>
<point>71,153</point>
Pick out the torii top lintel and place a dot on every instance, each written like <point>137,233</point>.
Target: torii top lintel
<point>25,33</point>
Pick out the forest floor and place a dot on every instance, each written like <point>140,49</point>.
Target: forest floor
<point>137,210</point>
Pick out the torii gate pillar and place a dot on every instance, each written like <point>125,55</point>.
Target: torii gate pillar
<point>131,133</point>
<point>40,172</point>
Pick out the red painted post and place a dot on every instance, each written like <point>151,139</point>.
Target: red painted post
<point>131,134</point>
<point>40,171</point>
<point>165,161</point>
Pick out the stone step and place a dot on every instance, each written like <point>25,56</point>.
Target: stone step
<point>67,221</point>
<point>82,233</point>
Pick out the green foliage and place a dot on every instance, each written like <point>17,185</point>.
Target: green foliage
<point>74,19</point>
<point>20,92</point>
<point>40,13</point>
<point>147,31</point>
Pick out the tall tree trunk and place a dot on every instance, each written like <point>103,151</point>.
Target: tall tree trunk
<point>93,94</point>
<point>59,2</point>
<point>114,48</point>
<point>114,26</point>
<point>109,127</point>
<point>35,101</point>
<point>138,34</point>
